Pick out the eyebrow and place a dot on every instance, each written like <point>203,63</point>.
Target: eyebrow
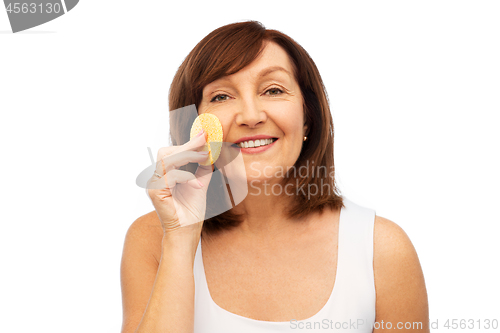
<point>262,74</point>
<point>272,69</point>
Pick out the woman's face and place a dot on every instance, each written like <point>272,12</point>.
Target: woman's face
<point>261,102</point>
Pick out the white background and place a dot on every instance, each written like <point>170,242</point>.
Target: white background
<point>414,91</point>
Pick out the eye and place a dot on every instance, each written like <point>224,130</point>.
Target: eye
<point>274,91</point>
<point>220,98</point>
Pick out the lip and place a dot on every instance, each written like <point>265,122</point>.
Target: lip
<point>255,137</point>
<point>257,150</point>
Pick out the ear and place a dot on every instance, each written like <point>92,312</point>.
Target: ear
<point>306,129</point>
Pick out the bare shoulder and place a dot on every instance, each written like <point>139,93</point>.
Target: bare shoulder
<point>389,239</point>
<point>399,280</point>
<point>149,221</point>
<point>146,232</point>
<point>394,256</point>
<point>139,265</point>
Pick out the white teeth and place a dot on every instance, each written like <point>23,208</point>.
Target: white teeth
<point>255,143</point>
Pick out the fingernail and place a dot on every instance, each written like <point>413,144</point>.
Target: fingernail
<point>203,152</point>
<point>200,183</point>
<point>199,134</point>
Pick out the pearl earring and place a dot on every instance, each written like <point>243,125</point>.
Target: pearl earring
<point>305,138</point>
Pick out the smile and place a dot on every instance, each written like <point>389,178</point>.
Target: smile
<point>255,143</point>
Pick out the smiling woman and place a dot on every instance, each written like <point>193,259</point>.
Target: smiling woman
<point>294,253</point>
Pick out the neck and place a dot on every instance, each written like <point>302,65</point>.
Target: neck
<point>264,213</point>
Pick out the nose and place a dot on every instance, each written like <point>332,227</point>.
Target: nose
<point>250,113</point>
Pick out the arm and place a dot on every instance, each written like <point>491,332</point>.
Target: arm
<point>399,281</point>
<point>158,296</point>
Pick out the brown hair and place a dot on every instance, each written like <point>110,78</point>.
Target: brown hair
<point>229,49</point>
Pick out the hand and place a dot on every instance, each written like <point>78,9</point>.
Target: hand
<point>179,197</point>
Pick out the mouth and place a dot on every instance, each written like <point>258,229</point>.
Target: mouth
<point>255,143</point>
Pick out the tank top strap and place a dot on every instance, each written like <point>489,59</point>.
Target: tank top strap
<point>355,276</point>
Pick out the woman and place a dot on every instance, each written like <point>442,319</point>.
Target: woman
<point>300,258</point>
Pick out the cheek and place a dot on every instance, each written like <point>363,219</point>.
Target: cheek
<point>291,122</point>
<point>225,121</point>
<point>291,129</point>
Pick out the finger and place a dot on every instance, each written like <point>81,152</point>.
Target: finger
<point>174,177</point>
<point>160,184</point>
<point>165,151</point>
<point>171,178</point>
<point>195,143</point>
<point>179,159</point>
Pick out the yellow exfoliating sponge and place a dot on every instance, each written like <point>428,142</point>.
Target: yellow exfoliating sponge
<point>213,127</point>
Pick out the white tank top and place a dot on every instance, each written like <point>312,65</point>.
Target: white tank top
<point>350,307</point>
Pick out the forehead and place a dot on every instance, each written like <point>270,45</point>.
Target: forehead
<point>272,59</point>
<point>272,55</point>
